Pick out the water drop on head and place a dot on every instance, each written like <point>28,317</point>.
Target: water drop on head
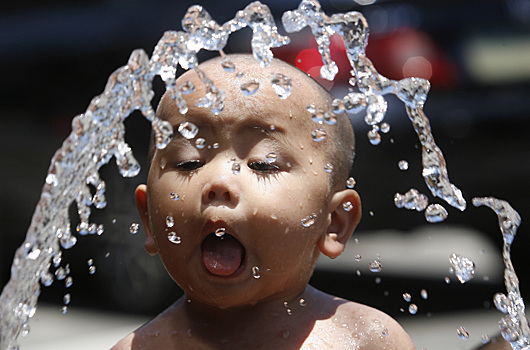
<point>374,137</point>
<point>173,238</point>
<point>318,135</point>
<point>328,168</point>
<point>413,309</point>
<point>329,118</point>
<point>403,165</point>
<point>407,297</point>
<point>255,272</point>
<point>215,145</point>
<point>170,222</point>
<point>188,130</point>
<point>462,333</point>
<point>350,183</point>
<point>435,213</point>
<point>424,294</point>
<point>220,232</point>
<point>187,87</point>
<point>375,266</point>
<point>236,168</point>
<point>271,157</point>
<point>309,220</point>
<point>134,228</point>
<point>303,302</point>
<point>228,65</point>
<point>347,206</point>
<point>240,74</point>
<point>174,196</point>
<point>282,84</point>
<point>250,87</point>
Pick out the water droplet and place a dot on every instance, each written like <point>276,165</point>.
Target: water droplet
<point>385,127</point>
<point>328,168</point>
<point>220,232</point>
<point>255,272</point>
<point>250,87</point>
<point>403,165</point>
<point>100,230</point>
<point>377,280</point>
<point>318,135</point>
<point>357,257</point>
<point>228,65</point>
<point>174,196</point>
<point>25,330</point>
<point>271,157</point>
<point>350,183</point>
<point>236,168</point>
<point>358,272</point>
<point>170,222</point>
<point>412,200</point>
<point>435,213</point>
<point>64,309</point>
<point>407,297</point>
<point>424,294</point>
<point>309,220</point>
<point>463,267</point>
<point>303,302</point>
<point>282,84</point>
<point>413,309</point>
<point>371,213</point>
<point>134,228</point>
<point>187,87</point>
<point>337,106</point>
<point>485,338</point>
<point>67,298</point>
<point>68,282</point>
<point>92,269</point>
<point>375,266</point>
<point>374,137</point>
<point>240,74</point>
<point>447,280</point>
<point>285,334</point>
<point>200,143</point>
<point>329,118</point>
<point>173,238</point>
<point>215,145</point>
<point>188,130</point>
<point>347,206</point>
<point>462,333</point>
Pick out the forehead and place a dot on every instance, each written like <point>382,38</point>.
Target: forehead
<point>262,108</point>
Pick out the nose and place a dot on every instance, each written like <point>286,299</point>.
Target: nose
<point>221,188</point>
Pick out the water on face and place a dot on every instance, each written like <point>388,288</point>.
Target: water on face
<point>98,135</point>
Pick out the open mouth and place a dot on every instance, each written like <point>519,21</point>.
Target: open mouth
<point>222,256</point>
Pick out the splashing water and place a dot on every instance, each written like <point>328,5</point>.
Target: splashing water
<point>463,267</point>
<point>98,134</point>
<point>514,326</point>
<point>412,200</point>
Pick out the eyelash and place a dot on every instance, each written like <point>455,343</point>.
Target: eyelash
<point>262,166</point>
<point>189,165</point>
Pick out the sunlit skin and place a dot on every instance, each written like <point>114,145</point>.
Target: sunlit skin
<point>262,300</point>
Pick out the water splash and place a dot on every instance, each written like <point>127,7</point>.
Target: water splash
<point>353,29</point>
<point>514,326</point>
<point>463,267</point>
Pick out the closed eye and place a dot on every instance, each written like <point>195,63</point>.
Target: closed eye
<point>189,165</point>
<point>263,166</point>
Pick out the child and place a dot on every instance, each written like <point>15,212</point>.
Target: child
<point>258,204</point>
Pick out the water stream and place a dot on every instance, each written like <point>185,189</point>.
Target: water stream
<point>98,135</point>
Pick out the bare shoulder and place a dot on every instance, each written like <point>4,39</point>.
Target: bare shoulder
<point>373,328</point>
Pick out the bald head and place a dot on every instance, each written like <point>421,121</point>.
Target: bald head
<point>337,148</point>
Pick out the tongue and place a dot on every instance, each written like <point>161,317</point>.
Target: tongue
<point>222,256</point>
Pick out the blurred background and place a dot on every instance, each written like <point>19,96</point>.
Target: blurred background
<point>56,55</point>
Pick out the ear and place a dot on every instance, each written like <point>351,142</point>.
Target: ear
<point>342,223</point>
<point>141,205</point>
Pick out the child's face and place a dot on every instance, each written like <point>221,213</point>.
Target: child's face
<point>266,252</point>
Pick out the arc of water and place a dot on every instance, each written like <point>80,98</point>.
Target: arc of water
<point>353,29</point>
<point>514,326</point>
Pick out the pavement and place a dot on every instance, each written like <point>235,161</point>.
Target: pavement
<point>82,329</point>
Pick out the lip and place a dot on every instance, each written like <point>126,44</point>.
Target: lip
<point>210,228</point>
